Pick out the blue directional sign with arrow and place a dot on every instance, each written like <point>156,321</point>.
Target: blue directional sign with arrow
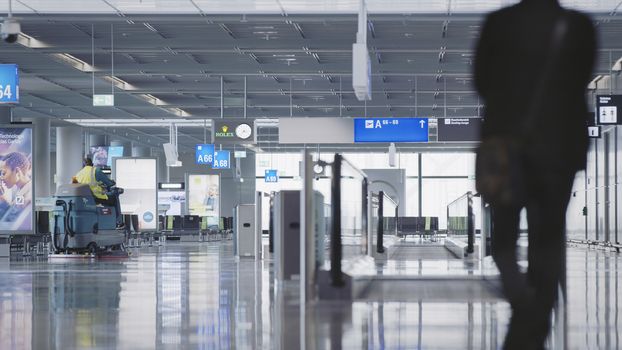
<point>391,130</point>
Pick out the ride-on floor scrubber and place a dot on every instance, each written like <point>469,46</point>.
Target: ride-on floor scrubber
<point>82,226</point>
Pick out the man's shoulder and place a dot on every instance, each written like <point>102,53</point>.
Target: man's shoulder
<point>500,17</point>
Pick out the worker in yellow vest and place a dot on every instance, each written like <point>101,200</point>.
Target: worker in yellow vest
<point>101,186</point>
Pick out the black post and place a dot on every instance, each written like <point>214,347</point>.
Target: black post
<point>470,224</point>
<point>335,240</point>
<point>379,238</point>
<point>365,219</point>
<point>271,227</point>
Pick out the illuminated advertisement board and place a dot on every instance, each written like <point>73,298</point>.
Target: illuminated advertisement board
<point>16,182</point>
<point>138,177</point>
<point>203,195</point>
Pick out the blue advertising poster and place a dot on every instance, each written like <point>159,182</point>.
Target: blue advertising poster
<point>9,83</point>
<point>204,154</point>
<point>271,175</point>
<point>391,130</point>
<point>16,182</point>
<point>221,160</point>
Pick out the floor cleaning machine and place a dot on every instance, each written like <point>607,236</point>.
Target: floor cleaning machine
<point>83,227</point>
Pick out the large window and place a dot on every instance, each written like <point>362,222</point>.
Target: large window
<point>446,176</point>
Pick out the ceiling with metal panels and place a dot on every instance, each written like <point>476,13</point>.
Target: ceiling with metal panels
<point>198,59</point>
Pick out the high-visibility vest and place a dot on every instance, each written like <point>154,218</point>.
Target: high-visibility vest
<point>87,176</point>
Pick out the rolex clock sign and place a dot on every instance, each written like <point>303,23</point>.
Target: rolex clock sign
<point>230,131</point>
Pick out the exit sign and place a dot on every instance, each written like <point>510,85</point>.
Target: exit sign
<point>103,100</point>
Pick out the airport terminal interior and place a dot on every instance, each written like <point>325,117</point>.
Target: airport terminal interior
<point>277,174</point>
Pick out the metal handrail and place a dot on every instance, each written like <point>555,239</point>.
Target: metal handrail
<point>380,235</point>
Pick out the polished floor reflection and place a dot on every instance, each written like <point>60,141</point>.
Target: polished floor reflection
<point>197,296</point>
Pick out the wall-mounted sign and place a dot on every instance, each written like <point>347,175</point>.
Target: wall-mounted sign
<point>222,160</point>
<point>593,132</point>
<point>459,129</point>
<point>391,130</point>
<point>271,175</point>
<point>229,131</point>
<point>607,107</point>
<point>103,100</point>
<point>16,183</point>
<point>204,154</point>
<point>9,83</point>
<point>239,154</point>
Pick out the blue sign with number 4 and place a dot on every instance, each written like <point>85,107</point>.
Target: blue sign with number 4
<point>271,175</point>
<point>221,160</point>
<point>9,83</point>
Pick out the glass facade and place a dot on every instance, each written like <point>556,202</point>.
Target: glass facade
<point>445,177</point>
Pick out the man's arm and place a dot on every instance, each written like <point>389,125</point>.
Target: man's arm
<point>101,177</point>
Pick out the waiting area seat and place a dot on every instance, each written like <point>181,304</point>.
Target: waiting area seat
<point>416,225</point>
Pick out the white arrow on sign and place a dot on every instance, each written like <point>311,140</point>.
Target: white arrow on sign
<point>422,122</point>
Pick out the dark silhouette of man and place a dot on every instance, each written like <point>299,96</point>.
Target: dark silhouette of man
<point>511,57</point>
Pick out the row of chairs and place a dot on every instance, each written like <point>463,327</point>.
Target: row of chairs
<point>195,224</point>
<point>414,225</point>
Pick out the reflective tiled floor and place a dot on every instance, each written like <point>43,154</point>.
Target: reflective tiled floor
<point>196,296</point>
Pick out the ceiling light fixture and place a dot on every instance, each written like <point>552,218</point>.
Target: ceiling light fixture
<point>74,62</point>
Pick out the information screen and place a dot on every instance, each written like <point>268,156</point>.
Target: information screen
<point>16,185</point>
<point>608,109</point>
<point>103,155</point>
<point>391,130</point>
<point>138,177</point>
<point>203,196</point>
<point>176,200</point>
<point>9,83</point>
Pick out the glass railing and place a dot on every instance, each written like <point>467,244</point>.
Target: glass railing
<point>461,220</point>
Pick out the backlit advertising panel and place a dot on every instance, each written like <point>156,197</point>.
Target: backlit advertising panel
<point>138,177</point>
<point>16,182</point>
<point>203,195</point>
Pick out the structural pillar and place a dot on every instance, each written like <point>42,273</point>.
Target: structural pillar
<point>141,151</point>
<point>162,168</point>
<point>42,157</point>
<point>68,153</point>
<point>5,115</point>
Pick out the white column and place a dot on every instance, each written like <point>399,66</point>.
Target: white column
<point>68,153</point>
<point>42,156</point>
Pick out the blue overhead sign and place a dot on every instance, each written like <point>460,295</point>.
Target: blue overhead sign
<point>271,175</point>
<point>9,83</point>
<point>204,154</point>
<point>222,160</point>
<point>391,130</point>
